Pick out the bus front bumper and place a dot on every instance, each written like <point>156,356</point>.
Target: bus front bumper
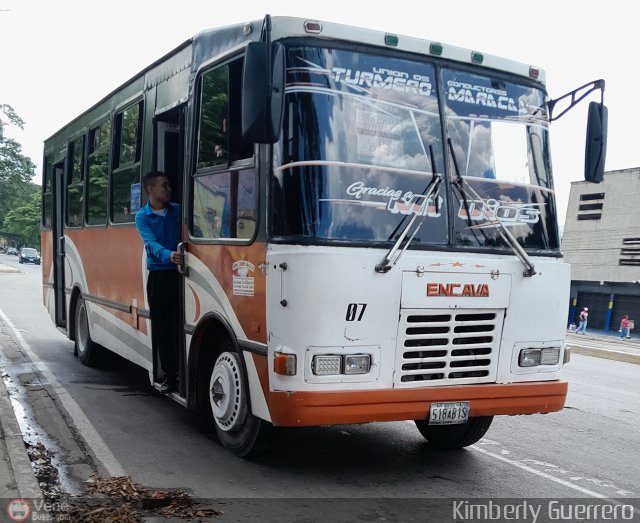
<point>298,409</point>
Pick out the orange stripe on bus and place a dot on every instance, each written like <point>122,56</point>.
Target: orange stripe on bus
<point>250,310</point>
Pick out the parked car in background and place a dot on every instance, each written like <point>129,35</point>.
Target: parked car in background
<point>13,251</point>
<point>29,255</point>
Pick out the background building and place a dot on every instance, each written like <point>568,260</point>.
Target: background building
<point>601,241</point>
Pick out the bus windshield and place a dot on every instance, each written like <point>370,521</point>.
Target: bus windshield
<point>498,144</point>
<point>363,141</point>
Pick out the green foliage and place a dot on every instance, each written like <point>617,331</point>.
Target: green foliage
<point>98,183</point>
<point>23,222</point>
<point>98,174</point>
<point>214,119</point>
<point>16,189</point>
<point>129,140</point>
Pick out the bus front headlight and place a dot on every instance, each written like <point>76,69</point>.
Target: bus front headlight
<point>357,364</point>
<point>530,357</point>
<point>334,364</point>
<point>536,357</point>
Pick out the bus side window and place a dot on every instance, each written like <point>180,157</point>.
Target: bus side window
<point>225,205</point>
<point>75,183</point>
<point>125,182</point>
<point>220,140</point>
<point>47,190</point>
<point>238,149</point>
<point>213,142</point>
<point>224,201</point>
<point>98,173</point>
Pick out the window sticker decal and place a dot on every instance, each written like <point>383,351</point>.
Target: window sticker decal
<point>243,284</point>
<point>393,200</point>
<point>509,213</point>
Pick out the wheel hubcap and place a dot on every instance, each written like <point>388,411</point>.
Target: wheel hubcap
<point>82,328</point>
<point>226,394</point>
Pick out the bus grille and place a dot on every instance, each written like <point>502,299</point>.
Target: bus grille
<point>447,347</point>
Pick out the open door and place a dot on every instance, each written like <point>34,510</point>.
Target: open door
<point>58,245</point>
<point>169,158</point>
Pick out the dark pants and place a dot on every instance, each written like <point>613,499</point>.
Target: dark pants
<point>163,295</point>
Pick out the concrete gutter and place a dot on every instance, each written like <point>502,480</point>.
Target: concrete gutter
<point>23,473</point>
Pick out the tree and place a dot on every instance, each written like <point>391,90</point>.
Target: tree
<point>22,223</point>
<point>16,169</point>
<point>17,192</point>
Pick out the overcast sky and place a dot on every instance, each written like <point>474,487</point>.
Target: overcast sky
<point>58,57</point>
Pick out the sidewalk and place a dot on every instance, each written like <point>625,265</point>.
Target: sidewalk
<point>608,335</point>
<point>605,344</point>
<point>17,479</point>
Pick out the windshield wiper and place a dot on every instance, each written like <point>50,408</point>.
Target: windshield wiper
<point>432,188</point>
<point>505,233</point>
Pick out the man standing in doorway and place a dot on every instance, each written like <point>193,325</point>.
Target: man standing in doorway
<point>158,223</point>
<point>584,317</point>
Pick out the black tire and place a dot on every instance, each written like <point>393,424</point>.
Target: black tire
<point>227,408</point>
<point>89,353</point>
<point>455,436</point>
<point>19,260</point>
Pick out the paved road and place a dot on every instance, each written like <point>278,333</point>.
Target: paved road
<point>119,425</point>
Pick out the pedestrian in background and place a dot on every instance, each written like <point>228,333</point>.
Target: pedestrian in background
<point>584,317</point>
<point>624,327</point>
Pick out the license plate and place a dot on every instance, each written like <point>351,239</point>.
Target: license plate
<point>450,413</point>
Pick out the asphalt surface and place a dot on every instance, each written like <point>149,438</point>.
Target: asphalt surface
<point>110,422</point>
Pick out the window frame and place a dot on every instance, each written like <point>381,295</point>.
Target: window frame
<point>589,197</point>
<point>95,124</point>
<point>234,166</point>
<point>68,176</point>
<point>115,168</point>
<point>47,177</point>
<point>235,170</point>
<point>200,82</point>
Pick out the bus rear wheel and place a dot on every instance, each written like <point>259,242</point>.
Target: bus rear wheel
<point>238,430</point>
<point>455,436</point>
<point>88,352</point>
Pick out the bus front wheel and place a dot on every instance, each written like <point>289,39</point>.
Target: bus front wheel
<point>237,428</point>
<point>86,349</point>
<point>455,436</point>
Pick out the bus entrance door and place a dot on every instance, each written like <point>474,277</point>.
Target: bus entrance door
<point>169,158</point>
<point>58,245</point>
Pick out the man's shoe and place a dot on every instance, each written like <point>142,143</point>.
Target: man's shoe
<point>168,386</point>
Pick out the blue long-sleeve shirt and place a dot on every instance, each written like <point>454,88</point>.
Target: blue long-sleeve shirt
<point>160,234</point>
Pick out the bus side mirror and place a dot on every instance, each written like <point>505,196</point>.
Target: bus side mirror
<point>596,147</point>
<point>263,92</point>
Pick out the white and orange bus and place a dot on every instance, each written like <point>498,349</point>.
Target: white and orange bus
<point>368,221</point>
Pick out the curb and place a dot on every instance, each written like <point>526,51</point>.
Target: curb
<point>26,482</point>
<point>626,357</point>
